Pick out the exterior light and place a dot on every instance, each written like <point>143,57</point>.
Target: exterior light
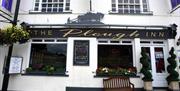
<point>178,41</point>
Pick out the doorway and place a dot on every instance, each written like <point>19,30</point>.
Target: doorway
<point>157,59</point>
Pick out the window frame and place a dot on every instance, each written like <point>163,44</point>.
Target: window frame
<point>119,43</point>
<point>115,7</point>
<point>38,6</point>
<point>43,41</point>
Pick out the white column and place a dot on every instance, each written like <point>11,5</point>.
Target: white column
<point>137,53</point>
<point>170,44</point>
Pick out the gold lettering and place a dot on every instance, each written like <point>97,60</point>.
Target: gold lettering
<point>161,34</point>
<point>153,34</point>
<point>96,34</point>
<point>118,36</point>
<point>87,33</point>
<point>71,32</point>
<point>107,34</point>
<point>49,32</point>
<point>134,34</point>
<point>43,32</point>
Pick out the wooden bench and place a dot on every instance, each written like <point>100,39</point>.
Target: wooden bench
<point>118,84</point>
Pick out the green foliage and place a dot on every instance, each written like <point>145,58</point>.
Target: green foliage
<point>104,71</point>
<point>13,34</point>
<point>145,66</point>
<point>29,69</point>
<point>173,75</point>
<point>49,69</point>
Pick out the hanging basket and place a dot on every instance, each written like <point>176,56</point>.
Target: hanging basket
<point>13,34</point>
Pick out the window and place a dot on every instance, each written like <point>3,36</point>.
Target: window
<point>115,56</point>
<point>175,3</point>
<point>52,6</point>
<point>52,55</point>
<point>130,6</point>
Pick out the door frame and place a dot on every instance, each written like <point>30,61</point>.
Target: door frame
<point>157,82</point>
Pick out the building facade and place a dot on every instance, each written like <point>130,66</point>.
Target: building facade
<point>71,40</point>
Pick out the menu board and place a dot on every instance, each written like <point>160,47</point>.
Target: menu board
<point>15,65</point>
<point>81,52</point>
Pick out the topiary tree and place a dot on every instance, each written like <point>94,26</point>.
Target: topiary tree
<point>145,66</point>
<point>173,75</point>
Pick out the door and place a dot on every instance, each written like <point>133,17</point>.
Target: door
<point>158,62</point>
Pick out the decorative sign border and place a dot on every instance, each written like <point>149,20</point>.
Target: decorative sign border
<point>101,33</point>
<point>15,65</point>
<point>81,52</point>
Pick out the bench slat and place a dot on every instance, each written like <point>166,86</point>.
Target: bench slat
<point>118,84</point>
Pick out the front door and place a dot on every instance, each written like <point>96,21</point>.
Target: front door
<point>158,63</point>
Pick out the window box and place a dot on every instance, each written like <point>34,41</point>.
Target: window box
<point>59,72</point>
<point>104,71</point>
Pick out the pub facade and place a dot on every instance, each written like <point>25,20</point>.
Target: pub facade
<point>75,47</point>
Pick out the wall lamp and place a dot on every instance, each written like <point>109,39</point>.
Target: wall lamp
<point>178,41</point>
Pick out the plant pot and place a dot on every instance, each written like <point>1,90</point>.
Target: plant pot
<point>148,85</point>
<point>174,86</point>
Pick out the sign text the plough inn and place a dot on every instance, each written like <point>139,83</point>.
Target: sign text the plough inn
<point>98,33</point>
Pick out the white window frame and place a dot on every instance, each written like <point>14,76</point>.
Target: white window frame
<point>63,11</point>
<point>130,4</point>
<point>119,42</point>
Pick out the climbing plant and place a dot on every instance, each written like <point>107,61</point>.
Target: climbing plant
<point>173,75</point>
<point>145,66</point>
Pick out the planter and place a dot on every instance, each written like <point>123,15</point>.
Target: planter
<point>174,86</point>
<point>148,86</point>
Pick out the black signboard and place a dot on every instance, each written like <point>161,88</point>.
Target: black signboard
<point>81,52</point>
<point>100,33</point>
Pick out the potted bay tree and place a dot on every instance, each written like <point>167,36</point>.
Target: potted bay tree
<point>172,79</point>
<point>145,70</point>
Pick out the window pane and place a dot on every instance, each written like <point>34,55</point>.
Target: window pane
<point>55,0</point>
<point>49,5</point>
<point>125,1</point>
<point>55,5</point>
<point>67,1</point>
<point>114,5</point>
<point>43,0</point>
<point>43,10</point>
<point>113,1</point>
<point>144,1</point>
<point>148,53</point>
<point>60,9</point>
<point>120,1</point>
<point>131,1</point>
<point>61,0</point>
<point>131,9</point>
<point>120,11</point>
<point>44,5</point>
<point>159,57</point>
<point>114,56</point>
<point>136,1</point>
<point>49,9</point>
<point>43,55</point>
<point>36,4</point>
<point>49,0</point>
<point>37,0</point>
<point>67,8</point>
<point>36,9</point>
<point>60,5</point>
<point>67,4</point>
<point>114,9</point>
<point>126,10</point>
